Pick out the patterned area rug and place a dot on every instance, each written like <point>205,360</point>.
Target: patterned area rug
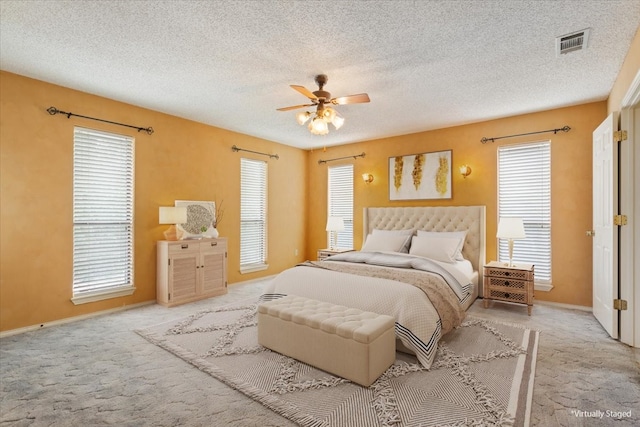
<point>482,375</point>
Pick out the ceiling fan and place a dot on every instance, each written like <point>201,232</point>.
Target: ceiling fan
<point>322,100</point>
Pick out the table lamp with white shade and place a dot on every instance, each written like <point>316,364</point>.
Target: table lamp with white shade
<point>172,215</point>
<point>334,224</point>
<point>512,229</point>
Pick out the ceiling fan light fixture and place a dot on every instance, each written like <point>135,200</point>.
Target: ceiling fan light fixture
<point>318,126</point>
<point>302,117</point>
<point>322,100</point>
<point>328,114</point>
<point>337,121</point>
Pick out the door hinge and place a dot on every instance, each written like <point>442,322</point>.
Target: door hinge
<point>619,304</point>
<point>619,220</point>
<point>620,135</point>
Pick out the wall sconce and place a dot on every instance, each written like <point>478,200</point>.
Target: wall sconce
<point>465,170</point>
<point>367,177</point>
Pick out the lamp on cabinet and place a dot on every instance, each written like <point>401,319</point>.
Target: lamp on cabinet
<point>172,215</point>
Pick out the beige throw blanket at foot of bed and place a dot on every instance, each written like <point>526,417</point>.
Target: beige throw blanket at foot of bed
<point>444,300</point>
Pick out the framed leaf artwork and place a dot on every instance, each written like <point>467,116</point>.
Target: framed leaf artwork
<point>424,176</point>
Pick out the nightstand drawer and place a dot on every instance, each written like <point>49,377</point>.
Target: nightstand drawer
<point>324,254</point>
<point>506,283</point>
<point>508,273</point>
<point>508,295</point>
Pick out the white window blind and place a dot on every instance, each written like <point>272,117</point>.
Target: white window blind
<point>253,215</point>
<point>341,203</point>
<point>524,191</point>
<point>102,215</point>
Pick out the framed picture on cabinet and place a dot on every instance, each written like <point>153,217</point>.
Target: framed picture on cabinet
<point>200,217</point>
<point>424,176</point>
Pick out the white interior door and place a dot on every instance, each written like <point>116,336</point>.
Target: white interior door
<point>605,240</point>
<point>630,205</point>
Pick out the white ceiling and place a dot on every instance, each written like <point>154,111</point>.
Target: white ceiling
<point>424,64</point>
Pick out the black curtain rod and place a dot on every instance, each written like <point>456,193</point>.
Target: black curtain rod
<point>53,111</point>
<point>341,158</point>
<point>563,129</point>
<point>275,156</point>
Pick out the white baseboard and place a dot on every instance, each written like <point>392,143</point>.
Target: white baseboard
<point>17,331</point>
<point>562,305</point>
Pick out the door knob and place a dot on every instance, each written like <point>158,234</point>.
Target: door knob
<point>591,233</point>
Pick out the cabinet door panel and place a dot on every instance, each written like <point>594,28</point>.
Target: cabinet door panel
<point>213,272</point>
<point>183,276</point>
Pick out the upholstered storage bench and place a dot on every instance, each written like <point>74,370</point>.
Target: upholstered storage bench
<point>353,344</point>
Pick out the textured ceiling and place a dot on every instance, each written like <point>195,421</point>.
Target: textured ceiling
<point>424,64</point>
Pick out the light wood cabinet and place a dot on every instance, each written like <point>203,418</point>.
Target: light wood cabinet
<point>512,284</point>
<point>189,270</point>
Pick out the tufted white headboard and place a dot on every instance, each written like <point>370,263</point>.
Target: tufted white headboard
<point>436,218</point>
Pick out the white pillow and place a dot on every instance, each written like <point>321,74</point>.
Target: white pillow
<point>407,233</point>
<point>437,248</point>
<point>382,242</point>
<point>459,236</point>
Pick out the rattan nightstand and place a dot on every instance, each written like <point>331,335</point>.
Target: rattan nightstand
<point>325,253</point>
<point>512,284</point>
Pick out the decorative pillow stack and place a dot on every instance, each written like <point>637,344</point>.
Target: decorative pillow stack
<point>444,246</point>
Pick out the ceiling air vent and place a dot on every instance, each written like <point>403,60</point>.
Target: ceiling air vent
<point>572,42</point>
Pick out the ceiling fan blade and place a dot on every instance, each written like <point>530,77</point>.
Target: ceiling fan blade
<point>351,99</point>
<point>303,90</point>
<point>293,107</point>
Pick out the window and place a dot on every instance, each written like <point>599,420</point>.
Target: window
<point>524,191</point>
<point>253,215</point>
<point>102,215</point>
<point>341,203</point>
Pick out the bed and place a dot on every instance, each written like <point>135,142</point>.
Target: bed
<point>421,265</point>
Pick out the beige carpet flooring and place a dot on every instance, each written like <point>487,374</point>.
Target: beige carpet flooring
<point>99,372</point>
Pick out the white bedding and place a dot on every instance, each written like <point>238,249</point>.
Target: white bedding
<point>465,268</point>
<point>418,324</point>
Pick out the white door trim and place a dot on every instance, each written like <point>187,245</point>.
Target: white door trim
<point>630,206</point>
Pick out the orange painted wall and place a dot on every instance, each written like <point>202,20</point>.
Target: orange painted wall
<point>570,184</point>
<point>192,161</point>
<point>182,160</point>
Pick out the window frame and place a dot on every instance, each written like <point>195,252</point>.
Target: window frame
<point>97,166</point>
<point>522,168</point>
<point>340,202</point>
<point>251,183</point>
